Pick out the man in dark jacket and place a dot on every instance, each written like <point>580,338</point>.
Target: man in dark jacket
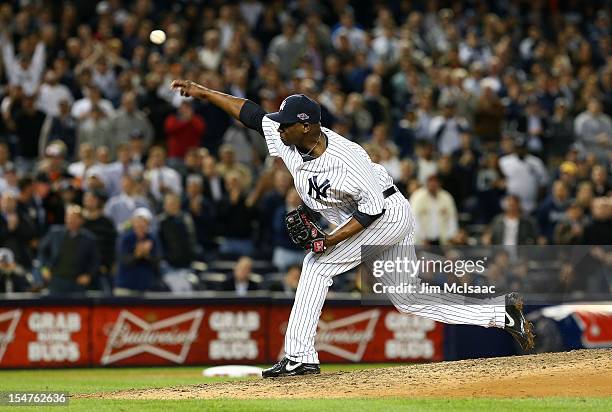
<point>241,281</point>
<point>16,230</point>
<point>176,234</point>
<point>552,211</point>
<point>106,236</point>
<point>599,231</point>
<point>69,255</point>
<point>511,228</point>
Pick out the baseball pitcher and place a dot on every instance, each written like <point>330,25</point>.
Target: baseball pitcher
<point>336,177</point>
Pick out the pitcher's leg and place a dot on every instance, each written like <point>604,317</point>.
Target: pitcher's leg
<point>453,309</point>
<point>309,298</point>
<point>441,307</point>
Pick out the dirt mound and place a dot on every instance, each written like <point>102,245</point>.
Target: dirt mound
<point>576,373</point>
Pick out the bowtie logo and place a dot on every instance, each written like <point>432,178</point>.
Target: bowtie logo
<point>7,336</point>
<point>319,191</point>
<point>169,338</point>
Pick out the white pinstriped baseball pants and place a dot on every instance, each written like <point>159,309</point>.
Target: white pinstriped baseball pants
<point>395,228</point>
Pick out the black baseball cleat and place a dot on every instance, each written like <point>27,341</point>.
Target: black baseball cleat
<point>516,324</point>
<point>287,367</point>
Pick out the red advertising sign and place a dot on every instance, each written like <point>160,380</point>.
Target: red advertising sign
<point>219,334</point>
<point>596,327</point>
<point>365,334</point>
<point>48,336</point>
<point>153,335</point>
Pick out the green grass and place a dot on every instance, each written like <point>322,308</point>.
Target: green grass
<point>77,381</point>
<point>337,405</point>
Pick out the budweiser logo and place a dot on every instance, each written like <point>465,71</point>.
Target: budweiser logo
<point>348,337</point>
<point>131,336</point>
<point>126,336</point>
<point>6,337</point>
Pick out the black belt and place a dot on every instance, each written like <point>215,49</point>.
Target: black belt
<point>390,191</point>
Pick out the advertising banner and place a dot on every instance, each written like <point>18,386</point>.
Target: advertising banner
<point>146,334</point>
<point>44,337</point>
<point>365,334</point>
<point>180,335</point>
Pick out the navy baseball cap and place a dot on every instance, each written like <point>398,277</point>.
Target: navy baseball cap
<point>297,108</point>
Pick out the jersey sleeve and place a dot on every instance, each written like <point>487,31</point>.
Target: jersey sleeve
<point>270,132</point>
<point>251,116</point>
<point>363,184</point>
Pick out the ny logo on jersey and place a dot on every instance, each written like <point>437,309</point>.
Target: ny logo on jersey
<point>314,187</point>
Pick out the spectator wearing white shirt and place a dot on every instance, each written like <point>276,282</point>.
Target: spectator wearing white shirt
<point>435,212</point>
<point>23,70</point>
<point>426,164</point>
<point>161,178</point>
<point>526,175</point>
<point>87,159</point>
<point>82,107</point>
<point>210,55</point>
<point>51,93</point>
<point>9,181</point>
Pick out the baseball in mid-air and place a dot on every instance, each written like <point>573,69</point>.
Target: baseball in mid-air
<point>157,36</point>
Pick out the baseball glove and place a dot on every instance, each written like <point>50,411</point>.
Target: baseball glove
<point>304,231</point>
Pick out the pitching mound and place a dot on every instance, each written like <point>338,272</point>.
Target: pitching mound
<point>577,374</point>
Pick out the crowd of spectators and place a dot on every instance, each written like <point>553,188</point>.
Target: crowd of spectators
<point>493,117</point>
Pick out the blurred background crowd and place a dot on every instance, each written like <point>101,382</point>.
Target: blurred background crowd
<point>493,117</point>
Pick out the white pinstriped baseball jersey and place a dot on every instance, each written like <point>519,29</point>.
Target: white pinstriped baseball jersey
<point>337,183</point>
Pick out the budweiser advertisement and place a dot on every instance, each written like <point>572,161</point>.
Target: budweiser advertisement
<point>105,335</point>
<point>365,334</point>
<point>44,337</point>
<point>153,335</point>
